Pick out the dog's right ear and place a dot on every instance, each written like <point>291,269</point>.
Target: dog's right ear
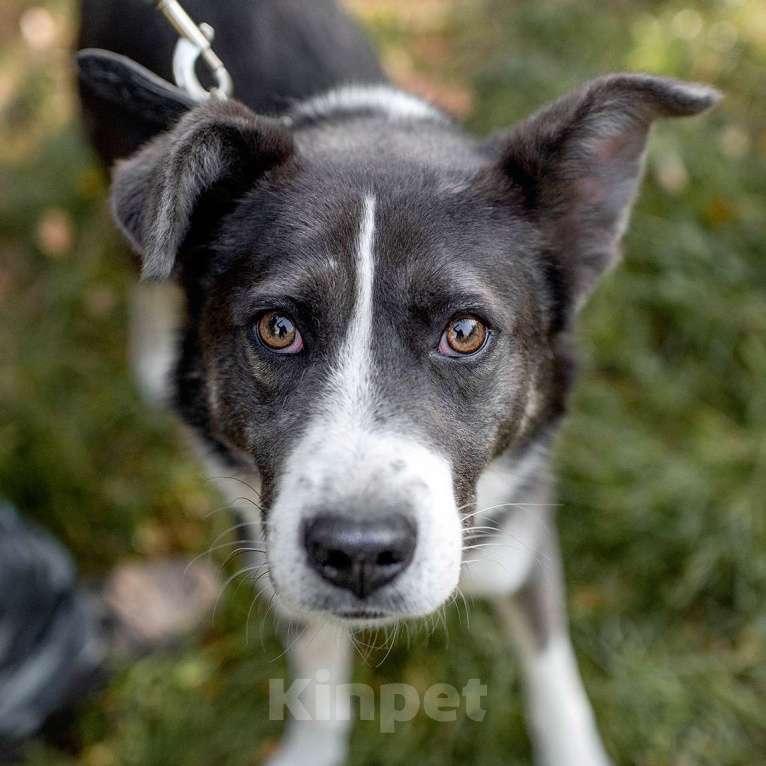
<point>576,165</point>
<point>218,146</point>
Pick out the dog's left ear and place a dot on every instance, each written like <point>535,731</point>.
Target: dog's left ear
<point>576,164</point>
<point>215,154</point>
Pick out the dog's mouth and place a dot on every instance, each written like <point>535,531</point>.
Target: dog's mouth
<point>362,614</point>
<point>363,619</point>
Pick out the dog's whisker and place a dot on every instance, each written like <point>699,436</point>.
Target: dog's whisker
<point>364,650</point>
<point>436,623</point>
<point>240,525</point>
<point>394,638</point>
<point>431,626</point>
<point>509,505</point>
<point>454,601</point>
<point>465,604</point>
<point>231,506</point>
<point>358,645</point>
<point>249,616</point>
<point>292,643</point>
<point>253,603</point>
<point>218,547</point>
<point>442,617</point>
<point>518,504</point>
<point>252,502</point>
<point>361,646</point>
<point>220,508</point>
<point>468,530</point>
<point>228,582</point>
<point>489,534</point>
<point>480,531</point>
<point>237,551</point>
<point>539,557</point>
<point>240,480</point>
<point>376,646</point>
<point>489,545</point>
<point>269,613</point>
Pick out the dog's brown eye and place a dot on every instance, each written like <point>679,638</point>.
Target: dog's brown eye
<point>279,333</point>
<point>464,335</point>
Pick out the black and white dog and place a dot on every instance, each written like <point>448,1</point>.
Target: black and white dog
<point>378,312</point>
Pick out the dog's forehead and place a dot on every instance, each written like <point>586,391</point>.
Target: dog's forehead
<point>433,235</point>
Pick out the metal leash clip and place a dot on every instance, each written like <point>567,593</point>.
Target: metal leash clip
<point>194,41</point>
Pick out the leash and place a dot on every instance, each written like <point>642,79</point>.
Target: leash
<point>125,83</point>
<point>194,42</point>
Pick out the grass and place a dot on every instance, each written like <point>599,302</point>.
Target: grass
<point>662,464</point>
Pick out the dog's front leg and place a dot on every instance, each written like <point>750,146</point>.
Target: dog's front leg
<point>320,663</point>
<point>562,724</point>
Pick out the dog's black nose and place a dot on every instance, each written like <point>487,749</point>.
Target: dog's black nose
<point>360,556</point>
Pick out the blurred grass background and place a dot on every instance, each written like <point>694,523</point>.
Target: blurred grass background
<point>662,464</point>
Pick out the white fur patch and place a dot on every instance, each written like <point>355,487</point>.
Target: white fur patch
<point>502,564</point>
<point>155,319</point>
<point>322,654</point>
<point>351,378</point>
<point>559,714</point>
<point>564,729</point>
<point>392,103</point>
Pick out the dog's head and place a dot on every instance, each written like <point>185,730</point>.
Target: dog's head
<point>376,310</point>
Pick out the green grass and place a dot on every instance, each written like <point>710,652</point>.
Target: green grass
<point>662,463</point>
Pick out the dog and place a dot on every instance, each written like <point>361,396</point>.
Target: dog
<point>377,324</point>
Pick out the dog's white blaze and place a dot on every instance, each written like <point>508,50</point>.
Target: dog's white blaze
<point>352,375</point>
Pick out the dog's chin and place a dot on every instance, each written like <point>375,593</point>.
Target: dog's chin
<point>358,616</point>
<point>363,619</point>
